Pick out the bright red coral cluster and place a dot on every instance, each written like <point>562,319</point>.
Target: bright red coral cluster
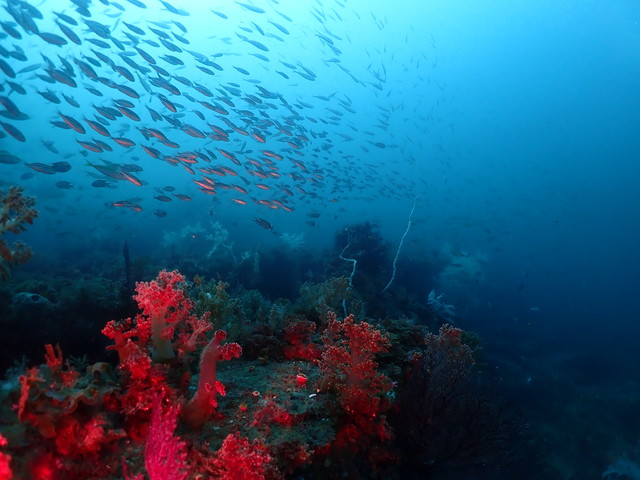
<point>70,412</point>
<point>82,421</point>
<point>5,462</point>
<point>146,346</point>
<point>164,307</point>
<point>239,459</point>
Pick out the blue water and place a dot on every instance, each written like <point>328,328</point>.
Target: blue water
<point>512,125</point>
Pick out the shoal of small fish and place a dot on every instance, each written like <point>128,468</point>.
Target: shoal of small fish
<point>244,143</point>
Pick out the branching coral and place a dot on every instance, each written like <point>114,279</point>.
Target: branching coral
<point>445,420</point>
<point>239,459</point>
<point>16,210</point>
<point>348,365</point>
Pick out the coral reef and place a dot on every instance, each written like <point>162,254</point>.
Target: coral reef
<point>313,396</point>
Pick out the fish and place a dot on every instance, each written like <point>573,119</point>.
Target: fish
<point>42,168</point>
<point>263,223</point>
<point>13,131</point>
<point>8,158</point>
<point>66,18</point>
<point>8,27</point>
<point>124,142</point>
<point>70,34</point>
<point>61,166</point>
<point>135,29</point>
<point>7,69</point>
<point>93,147</point>
<point>251,8</point>
<point>101,184</point>
<point>52,38</point>
<point>172,9</point>
<point>101,129</point>
<point>220,14</point>
<point>183,110</point>
<point>72,123</point>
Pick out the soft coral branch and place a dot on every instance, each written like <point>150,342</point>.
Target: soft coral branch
<point>165,455</point>
<point>203,403</point>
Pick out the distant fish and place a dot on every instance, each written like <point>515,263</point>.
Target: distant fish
<point>220,14</point>
<point>137,3</point>
<point>50,147</point>
<point>263,223</point>
<point>13,131</point>
<point>72,123</point>
<point>42,168</point>
<point>7,158</point>
<point>101,184</point>
<point>6,68</point>
<point>251,8</point>
<point>53,38</point>
<point>172,9</point>
<point>66,18</point>
<point>65,185</point>
<point>61,167</point>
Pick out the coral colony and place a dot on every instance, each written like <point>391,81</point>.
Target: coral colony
<point>183,402</point>
<point>201,384</point>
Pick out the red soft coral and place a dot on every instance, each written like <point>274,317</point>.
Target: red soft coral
<point>348,364</point>
<point>239,459</point>
<point>203,403</point>
<point>299,336</point>
<point>5,462</point>
<point>164,306</point>
<point>165,455</point>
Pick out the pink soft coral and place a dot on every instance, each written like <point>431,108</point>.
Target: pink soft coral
<point>5,461</point>
<point>165,455</point>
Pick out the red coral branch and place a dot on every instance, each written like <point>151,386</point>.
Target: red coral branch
<point>203,403</point>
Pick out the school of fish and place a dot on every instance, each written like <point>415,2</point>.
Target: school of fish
<point>134,95</point>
